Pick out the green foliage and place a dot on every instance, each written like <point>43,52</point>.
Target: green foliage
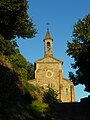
<point>30,71</point>
<point>29,87</point>
<point>35,91</point>
<point>17,60</point>
<point>26,69</point>
<point>7,47</point>
<point>40,110</point>
<point>23,73</point>
<point>14,20</point>
<point>4,61</point>
<point>40,106</point>
<point>16,96</point>
<point>79,49</point>
<point>50,96</point>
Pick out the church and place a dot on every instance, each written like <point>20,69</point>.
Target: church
<point>48,73</point>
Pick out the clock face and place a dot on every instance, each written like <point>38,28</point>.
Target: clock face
<point>49,74</point>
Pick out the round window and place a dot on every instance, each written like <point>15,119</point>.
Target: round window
<point>49,74</point>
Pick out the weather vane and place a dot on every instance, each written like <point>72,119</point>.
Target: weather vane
<point>48,26</point>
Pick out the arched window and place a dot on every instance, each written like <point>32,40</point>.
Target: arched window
<point>66,91</point>
<point>48,45</point>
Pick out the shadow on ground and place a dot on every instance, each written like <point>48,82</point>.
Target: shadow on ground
<point>71,111</point>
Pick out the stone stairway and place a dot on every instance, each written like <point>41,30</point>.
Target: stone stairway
<point>71,111</point>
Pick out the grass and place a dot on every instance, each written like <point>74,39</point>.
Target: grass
<point>41,110</point>
<point>39,106</point>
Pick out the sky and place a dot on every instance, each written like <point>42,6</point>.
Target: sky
<point>62,15</point>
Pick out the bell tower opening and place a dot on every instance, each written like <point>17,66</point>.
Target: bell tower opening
<point>48,44</point>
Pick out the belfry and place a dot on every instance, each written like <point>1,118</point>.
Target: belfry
<point>48,73</point>
<point>48,45</point>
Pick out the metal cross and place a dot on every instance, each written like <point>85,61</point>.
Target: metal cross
<point>48,26</point>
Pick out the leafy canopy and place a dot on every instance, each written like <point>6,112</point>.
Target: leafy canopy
<point>14,20</point>
<point>25,68</point>
<point>79,50</point>
<point>8,47</point>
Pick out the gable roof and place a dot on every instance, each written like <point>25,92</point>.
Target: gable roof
<point>49,59</point>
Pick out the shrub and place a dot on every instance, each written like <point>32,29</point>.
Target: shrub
<point>50,96</point>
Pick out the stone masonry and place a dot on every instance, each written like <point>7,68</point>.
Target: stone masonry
<point>48,73</point>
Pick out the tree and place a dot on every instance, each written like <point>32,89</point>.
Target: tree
<point>7,47</point>
<point>50,96</point>
<point>79,50</point>
<point>30,71</point>
<point>14,20</point>
<point>17,60</point>
<point>22,65</point>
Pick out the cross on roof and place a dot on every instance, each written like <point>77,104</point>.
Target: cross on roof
<point>48,26</point>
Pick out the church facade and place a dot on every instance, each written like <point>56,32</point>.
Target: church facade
<point>48,73</point>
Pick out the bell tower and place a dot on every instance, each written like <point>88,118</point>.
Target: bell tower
<point>48,44</point>
<point>48,73</point>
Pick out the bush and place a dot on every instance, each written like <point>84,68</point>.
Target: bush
<point>50,96</point>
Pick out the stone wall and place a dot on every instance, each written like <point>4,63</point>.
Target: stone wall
<point>48,73</point>
<point>67,95</point>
